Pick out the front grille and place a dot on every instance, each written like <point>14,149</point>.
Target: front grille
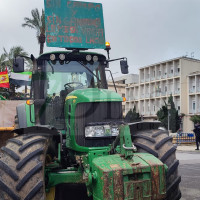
<point>87,113</point>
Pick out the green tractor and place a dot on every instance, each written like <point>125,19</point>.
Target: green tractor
<point>71,135</point>
<point>71,140</point>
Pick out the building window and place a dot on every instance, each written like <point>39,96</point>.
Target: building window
<point>123,95</point>
<point>193,105</point>
<point>171,71</point>
<point>179,107</point>
<point>178,69</point>
<point>165,88</point>
<point>123,81</point>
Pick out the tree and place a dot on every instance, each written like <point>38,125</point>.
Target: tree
<point>2,62</point>
<point>174,118</point>
<point>132,116</point>
<point>162,115</point>
<point>11,54</point>
<point>37,22</point>
<point>195,119</point>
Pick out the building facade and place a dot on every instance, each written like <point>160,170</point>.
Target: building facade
<point>121,83</point>
<point>157,82</point>
<point>120,87</point>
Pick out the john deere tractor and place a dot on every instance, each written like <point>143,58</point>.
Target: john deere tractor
<point>71,134</point>
<point>71,141</point>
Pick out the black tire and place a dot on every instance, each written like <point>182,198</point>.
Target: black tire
<point>158,143</point>
<point>22,168</point>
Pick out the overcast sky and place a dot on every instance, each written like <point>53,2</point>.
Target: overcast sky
<point>144,31</point>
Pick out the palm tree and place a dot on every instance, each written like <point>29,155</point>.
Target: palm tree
<point>13,52</point>
<point>37,22</point>
<point>2,62</point>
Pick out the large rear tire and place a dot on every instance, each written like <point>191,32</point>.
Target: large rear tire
<point>158,143</point>
<point>22,168</point>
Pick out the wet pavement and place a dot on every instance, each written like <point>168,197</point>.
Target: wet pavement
<point>189,169</point>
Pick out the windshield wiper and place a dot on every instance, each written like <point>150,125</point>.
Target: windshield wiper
<point>90,71</point>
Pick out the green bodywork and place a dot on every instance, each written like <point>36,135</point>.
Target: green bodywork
<point>110,172</point>
<point>124,175</point>
<point>84,96</point>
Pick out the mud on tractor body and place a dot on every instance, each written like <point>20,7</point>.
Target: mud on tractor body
<point>71,134</point>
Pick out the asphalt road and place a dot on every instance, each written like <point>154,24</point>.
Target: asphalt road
<point>189,169</point>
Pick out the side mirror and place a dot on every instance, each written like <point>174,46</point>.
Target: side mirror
<point>124,66</point>
<point>18,64</point>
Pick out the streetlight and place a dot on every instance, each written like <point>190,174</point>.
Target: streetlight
<point>168,108</point>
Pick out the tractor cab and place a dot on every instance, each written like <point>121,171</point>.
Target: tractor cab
<point>56,75</point>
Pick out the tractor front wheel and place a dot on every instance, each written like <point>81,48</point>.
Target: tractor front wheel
<point>22,168</point>
<point>158,143</point>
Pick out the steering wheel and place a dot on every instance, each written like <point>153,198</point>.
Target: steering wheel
<point>68,85</point>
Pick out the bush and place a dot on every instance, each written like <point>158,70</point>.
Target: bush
<point>132,116</point>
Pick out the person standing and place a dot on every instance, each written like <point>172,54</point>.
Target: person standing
<point>197,134</point>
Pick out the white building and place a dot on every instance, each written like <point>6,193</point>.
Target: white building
<point>121,83</point>
<point>157,82</point>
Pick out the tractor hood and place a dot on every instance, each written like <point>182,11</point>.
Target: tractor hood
<point>94,95</point>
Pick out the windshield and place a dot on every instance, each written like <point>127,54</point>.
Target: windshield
<point>68,76</point>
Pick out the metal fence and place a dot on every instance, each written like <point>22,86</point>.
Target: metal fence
<point>183,138</point>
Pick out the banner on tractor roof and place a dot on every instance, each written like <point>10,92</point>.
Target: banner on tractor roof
<point>74,24</point>
<point>4,79</point>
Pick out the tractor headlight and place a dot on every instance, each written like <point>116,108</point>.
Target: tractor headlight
<point>101,131</point>
<point>115,131</point>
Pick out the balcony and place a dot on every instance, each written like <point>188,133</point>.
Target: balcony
<point>142,96</point>
<point>177,92</point>
<point>152,78</point>
<point>158,77</point>
<point>136,97</point>
<point>157,94</point>
<point>152,113</point>
<point>164,76</point>
<point>191,90</point>
<point>170,92</point>
<point>192,111</point>
<point>147,79</point>
<point>177,74</point>
<point>169,75</point>
<point>152,94</point>
<point>147,95</point>
<point>198,89</point>
<point>163,93</point>
<point>131,98</point>
<point>147,113</point>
